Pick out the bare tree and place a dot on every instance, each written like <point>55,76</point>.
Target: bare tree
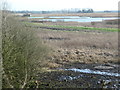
<point>1,69</point>
<point>21,51</point>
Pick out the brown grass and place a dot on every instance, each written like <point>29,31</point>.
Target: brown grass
<point>98,47</point>
<point>103,24</point>
<point>82,14</point>
<point>78,39</point>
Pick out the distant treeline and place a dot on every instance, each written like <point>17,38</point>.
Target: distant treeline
<point>76,10</point>
<point>59,11</point>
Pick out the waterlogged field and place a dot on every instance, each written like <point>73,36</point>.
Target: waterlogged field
<point>83,54</point>
<point>73,18</point>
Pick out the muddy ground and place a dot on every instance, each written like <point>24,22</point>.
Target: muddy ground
<point>60,78</point>
<point>56,76</point>
<point>66,79</point>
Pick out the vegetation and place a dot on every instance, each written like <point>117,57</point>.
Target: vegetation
<point>75,28</point>
<point>0,51</point>
<point>22,54</point>
<point>72,10</point>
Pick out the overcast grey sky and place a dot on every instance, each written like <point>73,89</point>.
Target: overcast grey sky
<point>97,5</point>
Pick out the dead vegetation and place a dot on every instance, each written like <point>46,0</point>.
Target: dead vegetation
<point>103,24</point>
<point>81,14</point>
<point>82,47</point>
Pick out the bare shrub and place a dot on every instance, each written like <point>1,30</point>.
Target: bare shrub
<point>22,54</point>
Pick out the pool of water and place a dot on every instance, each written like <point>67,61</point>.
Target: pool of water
<point>93,72</point>
<point>86,71</point>
<point>64,17</point>
<point>34,17</point>
<point>79,19</point>
<point>74,18</point>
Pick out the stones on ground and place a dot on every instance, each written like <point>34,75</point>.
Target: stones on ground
<point>66,78</point>
<point>104,82</point>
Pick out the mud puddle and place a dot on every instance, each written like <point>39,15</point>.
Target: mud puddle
<point>93,72</point>
<point>83,76</point>
<point>103,76</point>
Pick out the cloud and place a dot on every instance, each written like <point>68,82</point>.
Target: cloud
<point>61,4</point>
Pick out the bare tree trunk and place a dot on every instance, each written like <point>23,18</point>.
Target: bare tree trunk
<point>1,69</point>
<point>3,16</point>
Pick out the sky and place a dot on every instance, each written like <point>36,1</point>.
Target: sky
<point>38,5</point>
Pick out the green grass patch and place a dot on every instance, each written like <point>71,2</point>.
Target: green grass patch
<point>74,27</point>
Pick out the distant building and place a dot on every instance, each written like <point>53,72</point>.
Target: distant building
<point>107,11</point>
<point>26,15</point>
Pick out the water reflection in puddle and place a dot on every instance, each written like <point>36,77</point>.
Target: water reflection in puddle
<point>93,72</point>
<point>69,77</point>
